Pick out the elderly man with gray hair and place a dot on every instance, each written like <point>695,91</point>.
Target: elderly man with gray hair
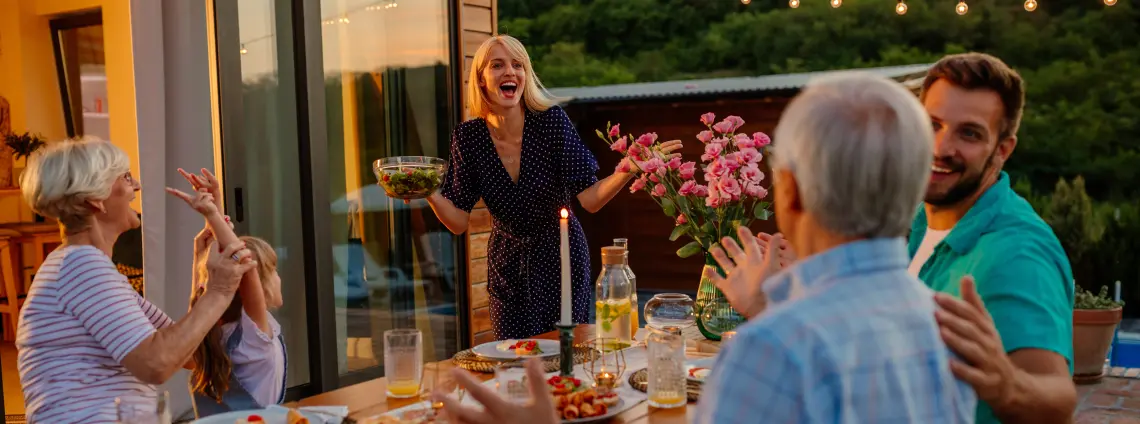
<point>847,335</point>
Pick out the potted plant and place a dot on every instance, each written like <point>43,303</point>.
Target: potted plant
<point>1095,317</point>
<point>733,195</point>
<point>23,145</point>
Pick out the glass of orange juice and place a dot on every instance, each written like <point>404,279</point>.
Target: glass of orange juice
<point>666,353</point>
<point>403,362</point>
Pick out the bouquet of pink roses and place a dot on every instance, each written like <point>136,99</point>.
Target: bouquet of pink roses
<point>731,195</point>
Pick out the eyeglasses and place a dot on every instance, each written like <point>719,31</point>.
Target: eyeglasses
<point>129,179</point>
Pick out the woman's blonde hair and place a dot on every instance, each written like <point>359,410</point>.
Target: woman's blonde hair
<point>535,96</point>
<point>212,365</point>
<point>63,176</point>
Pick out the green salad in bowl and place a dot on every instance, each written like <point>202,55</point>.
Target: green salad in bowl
<point>409,177</point>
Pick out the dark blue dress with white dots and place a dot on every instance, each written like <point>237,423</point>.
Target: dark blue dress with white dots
<point>523,265</point>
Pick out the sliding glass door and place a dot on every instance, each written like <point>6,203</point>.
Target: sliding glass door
<point>311,93</point>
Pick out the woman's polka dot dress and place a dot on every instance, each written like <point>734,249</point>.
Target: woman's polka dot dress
<point>523,275</point>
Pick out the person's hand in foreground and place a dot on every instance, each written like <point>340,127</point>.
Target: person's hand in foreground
<point>498,410</point>
<point>787,255</point>
<point>745,270</point>
<point>969,331</point>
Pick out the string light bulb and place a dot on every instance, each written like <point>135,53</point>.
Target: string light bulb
<point>836,3</point>
<point>243,49</point>
<point>1109,2</point>
<point>1030,5</point>
<point>746,1</point>
<point>961,8</point>
<point>900,8</point>
<point>793,3</point>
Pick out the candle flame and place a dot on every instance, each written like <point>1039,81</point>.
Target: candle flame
<point>565,213</point>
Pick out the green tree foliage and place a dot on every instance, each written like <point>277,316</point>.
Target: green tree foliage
<point>1080,59</point>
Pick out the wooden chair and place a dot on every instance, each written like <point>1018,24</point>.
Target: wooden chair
<point>13,282</point>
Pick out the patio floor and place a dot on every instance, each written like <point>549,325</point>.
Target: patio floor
<point>1111,401</point>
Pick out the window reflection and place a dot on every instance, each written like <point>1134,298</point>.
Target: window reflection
<point>386,82</point>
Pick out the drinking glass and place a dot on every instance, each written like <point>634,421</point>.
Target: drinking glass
<point>669,310</point>
<point>403,362</point>
<point>666,351</point>
<point>436,379</point>
<point>510,380</point>
<point>144,412</point>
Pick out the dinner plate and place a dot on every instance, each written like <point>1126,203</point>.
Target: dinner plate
<point>491,350</point>
<point>706,363</point>
<point>271,416</point>
<point>611,411</point>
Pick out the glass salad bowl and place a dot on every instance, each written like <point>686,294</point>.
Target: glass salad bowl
<point>409,177</point>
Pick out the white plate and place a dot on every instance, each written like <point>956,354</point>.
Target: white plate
<point>491,350</point>
<point>699,363</point>
<point>611,411</point>
<point>271,416</point>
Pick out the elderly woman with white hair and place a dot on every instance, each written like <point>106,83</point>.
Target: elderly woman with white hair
<point>85,336</point>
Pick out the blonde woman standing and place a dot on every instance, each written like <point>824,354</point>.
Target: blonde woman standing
<point>523,157</point>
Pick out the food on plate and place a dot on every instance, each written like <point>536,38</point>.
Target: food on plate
<point>572,400</point>
<point>560,385</point>
<point>699,373</point>
<point>252,419</point>
<point>417,416</point>
<point>410,182</point>
<point>520,347</point>
<point>294,417</point>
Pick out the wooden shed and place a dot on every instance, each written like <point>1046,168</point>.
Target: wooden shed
<point>672,109</point>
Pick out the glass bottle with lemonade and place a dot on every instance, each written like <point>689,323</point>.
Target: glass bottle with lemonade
<point>614,300</point>
<point>634,322</point>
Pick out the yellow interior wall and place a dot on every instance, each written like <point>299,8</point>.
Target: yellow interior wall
<point>28,77</point>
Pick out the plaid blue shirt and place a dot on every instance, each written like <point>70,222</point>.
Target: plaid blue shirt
<point>848,337</point>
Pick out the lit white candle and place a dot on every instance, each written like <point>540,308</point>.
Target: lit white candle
<point>564,228</point>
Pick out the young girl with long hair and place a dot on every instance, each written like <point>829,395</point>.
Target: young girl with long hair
<point>241,363</point>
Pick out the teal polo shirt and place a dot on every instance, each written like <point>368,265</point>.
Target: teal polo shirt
<point>1021,271</point>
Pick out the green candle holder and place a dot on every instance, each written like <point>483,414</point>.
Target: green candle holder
<point>566,349</point>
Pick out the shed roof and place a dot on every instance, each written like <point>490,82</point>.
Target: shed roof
<point>906,74</point>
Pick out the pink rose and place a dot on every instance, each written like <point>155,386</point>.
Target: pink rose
<point>615,130</point>
<point>749,155</point>
<point>743,141</point>
<point>675,163</point>
<point>700,190</point>
<point>732,161</point>
<point>723,127</point>
<point>647,139</point>
<point>755,190</point>
<point>623,166</point>
<point>705,136</point>
<point>619,145</point>
<point>635,151</point>
<point>752,174</point>
<point>736,122</point>
<point>681,220</point>
<point>713,201</point>
<point>653,177</point>
<point>687,170</point>
<point>712,151</point>
<point>658,190</point>
<point>730,188</point>
<point>688,188</point>
<point>708,118</point>
<point>653,165</point>
<point>761,139</point>
<point>715,170</point>
<point>638,184</point>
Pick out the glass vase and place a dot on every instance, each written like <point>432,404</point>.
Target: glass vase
<point>714,315</point>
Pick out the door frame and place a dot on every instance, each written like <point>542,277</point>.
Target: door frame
<point>66,22</point>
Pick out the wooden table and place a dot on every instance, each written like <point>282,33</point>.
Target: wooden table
<point>368,399</point>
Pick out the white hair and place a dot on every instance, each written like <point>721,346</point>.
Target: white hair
<point>63,176</point>
<point>860,147</point>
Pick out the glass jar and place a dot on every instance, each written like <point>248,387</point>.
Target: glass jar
<point>613,300</point>
<point>669,310</point>
<point>636,323</point>
<point>665,349</point>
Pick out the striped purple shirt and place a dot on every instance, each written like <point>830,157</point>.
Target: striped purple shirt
<point>81,319</point>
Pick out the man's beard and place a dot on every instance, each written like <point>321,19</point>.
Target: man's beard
<point>967,186</point>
